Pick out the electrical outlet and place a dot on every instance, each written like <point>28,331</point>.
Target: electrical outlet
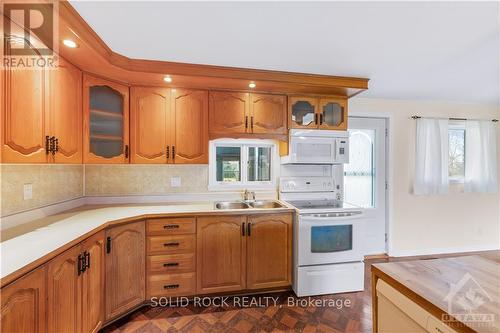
<point>28,191</point>
<point>175,181</point>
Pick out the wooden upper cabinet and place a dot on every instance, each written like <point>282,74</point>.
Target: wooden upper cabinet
<point>65,108</point>
<point>93,284</point>
<point>105,121</point>
<point>303,112</point>
<point>221,254</point>
<point>149,111</point>
<point>24,116</point>
<point>333,114</point>
<point>64,292</point>
<point>268,114</point>
<point>190,116</point>
<point>229,112</point>
<point>269,251</point>
<point>239,114</point>
<point>318,113</point>
<point>125,268</point>
<point>24,302</point>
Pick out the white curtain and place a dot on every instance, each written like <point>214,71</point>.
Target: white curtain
<point>431,162</point>
<point>480,157</point>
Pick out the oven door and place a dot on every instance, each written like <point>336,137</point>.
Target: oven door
<point>329,238</point>
<point>304,149</point>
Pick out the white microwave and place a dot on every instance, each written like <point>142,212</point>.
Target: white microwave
<point>317,147</point>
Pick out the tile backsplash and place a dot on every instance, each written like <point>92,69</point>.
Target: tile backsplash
<point>51,183</point>
<point>140,179</point>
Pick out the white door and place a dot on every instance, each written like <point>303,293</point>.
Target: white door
<point>365,178</point>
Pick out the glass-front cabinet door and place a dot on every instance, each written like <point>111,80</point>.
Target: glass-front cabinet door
<point>303,112</point>
<point>106,123</point>
<point>333,114</point>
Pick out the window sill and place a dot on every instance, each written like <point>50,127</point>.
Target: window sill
<point>239,187</point>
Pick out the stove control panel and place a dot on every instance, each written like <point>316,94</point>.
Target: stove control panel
<point>306,184</point>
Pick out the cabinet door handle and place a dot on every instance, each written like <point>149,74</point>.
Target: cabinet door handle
<point>171,244</point>
<point>316,118</point>
<point>171,264</point>
<point>251,123</point>
<point>80,264</point>
<point>246,122</point>
<point>171,286</point>
<point>171,226</point>
<point>47,144</point>
<point>126,151</point>
<point>168,152</point>
<point>249,229</point>
<point>321,119</point>
<point>108,244</point>
<point>243,229</point>
<point>52,145</point>
<point>56,145</point>
<point>173,152</point>
<point>87,259</point>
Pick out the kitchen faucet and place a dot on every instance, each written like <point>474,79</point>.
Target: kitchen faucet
<point>247,194</point>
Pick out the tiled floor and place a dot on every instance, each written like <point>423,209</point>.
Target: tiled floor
<point>355,316</point>
<point>283,317</point>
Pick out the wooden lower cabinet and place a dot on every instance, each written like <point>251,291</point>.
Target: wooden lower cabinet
<point>171,261</point>
<point>269,251</point>
<point>125,268</point>
<point>93,284</point>
<point>75,288</point>
<point>64,287</point>
<point>105,276</point>
<point>180,284</point>
<point>238,252</point>
<point>23,304</point>
<point>221,254</point>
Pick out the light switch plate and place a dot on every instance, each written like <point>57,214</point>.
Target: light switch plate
<point>175,181</point>
<point>28,191</point>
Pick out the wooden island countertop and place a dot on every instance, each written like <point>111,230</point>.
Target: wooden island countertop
<point>440,285</point>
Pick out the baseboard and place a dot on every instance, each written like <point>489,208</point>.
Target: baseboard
<point>437,251</point>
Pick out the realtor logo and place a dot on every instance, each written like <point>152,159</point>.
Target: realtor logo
<point>30,32</point>
<point>465,303</point>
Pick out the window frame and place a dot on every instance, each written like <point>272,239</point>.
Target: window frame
<point>457,125</point>
<point>244,144</point>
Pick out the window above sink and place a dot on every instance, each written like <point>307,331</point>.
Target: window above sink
<point>243,163</point>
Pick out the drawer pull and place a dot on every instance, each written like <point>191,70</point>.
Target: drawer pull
<point>171,264</point>
<point>171,244</point>
<point>171,286</point>
<point>171,226</point>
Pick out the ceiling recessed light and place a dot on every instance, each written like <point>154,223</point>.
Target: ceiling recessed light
<point>69,43</point>
<point>251,85</point>
<point>167,78</point>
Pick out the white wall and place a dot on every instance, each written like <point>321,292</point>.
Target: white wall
<point>431,224</point>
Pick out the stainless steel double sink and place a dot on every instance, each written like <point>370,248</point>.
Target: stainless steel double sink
<point>262,204</point>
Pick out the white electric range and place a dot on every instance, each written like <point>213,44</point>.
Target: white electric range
<point>328,242</point>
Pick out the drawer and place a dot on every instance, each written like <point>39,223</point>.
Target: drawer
<point>171,226</point>
<point>182,284</point>
<point>171,263</point>
<point>171,244</point>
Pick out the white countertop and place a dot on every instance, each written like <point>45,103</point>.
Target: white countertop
<point>22,250</point>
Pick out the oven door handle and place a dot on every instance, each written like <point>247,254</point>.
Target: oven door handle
<point>310,218</point>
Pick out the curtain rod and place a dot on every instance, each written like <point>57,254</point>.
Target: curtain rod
<point>418,117</point>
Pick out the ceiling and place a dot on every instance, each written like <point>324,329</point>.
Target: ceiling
<point>409,50</point>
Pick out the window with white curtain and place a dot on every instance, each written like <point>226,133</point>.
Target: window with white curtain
<point>456,162</point>
<point>455,151</point>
